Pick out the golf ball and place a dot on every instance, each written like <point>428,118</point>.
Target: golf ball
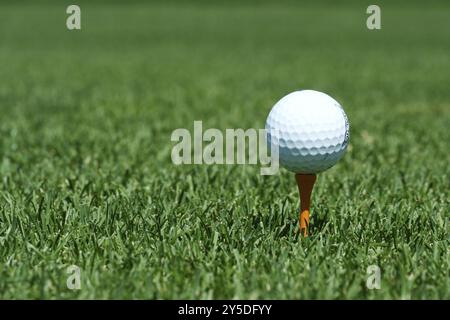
<point>310,129</point>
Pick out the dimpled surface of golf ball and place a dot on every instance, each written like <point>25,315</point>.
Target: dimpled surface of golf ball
<point>310,129</point>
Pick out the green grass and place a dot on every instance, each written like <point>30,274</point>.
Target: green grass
<point>86,175</point>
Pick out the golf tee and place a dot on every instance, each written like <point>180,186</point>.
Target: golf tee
<point>305,183</point>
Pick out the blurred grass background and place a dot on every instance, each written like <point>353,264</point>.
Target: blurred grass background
<point>86,118</point>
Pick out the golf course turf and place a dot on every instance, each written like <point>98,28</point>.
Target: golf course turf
<point>86,171</point>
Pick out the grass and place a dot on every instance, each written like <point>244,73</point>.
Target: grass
<point>87,180</point>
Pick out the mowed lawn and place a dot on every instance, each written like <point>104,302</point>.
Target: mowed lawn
<point>87,178</point>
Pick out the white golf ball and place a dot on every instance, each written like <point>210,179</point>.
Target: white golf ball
<point>310,129</point>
